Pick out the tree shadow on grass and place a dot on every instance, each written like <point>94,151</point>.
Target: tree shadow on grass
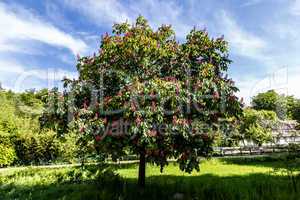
<point>208,186</point>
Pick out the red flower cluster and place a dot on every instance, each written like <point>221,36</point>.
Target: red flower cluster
<point>133,106</point>
<point>153,106</point>
<point>174,120</point>
<point>82,129</point>
<point>98,138</point>
<point>138,121</point>
<point>216,95</point>
<point>152,133</point>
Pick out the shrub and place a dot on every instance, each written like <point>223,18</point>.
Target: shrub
<point>7,155</point>
<point>257,125</point>
<point>36,148</point>
<point>68,149</point>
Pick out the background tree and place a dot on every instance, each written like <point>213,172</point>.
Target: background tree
<point>291,102</point>
<point>295,110</point>
<point>147,94</point>
<point>256,126</point>
<point>272,101</point>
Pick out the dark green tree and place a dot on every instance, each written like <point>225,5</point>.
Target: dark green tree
<point>272,101</point>
<point>295,110</point>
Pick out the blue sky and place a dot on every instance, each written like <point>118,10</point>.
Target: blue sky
<point>39,40</point>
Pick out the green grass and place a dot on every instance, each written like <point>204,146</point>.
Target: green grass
<point>214,166</point>
<point>218,179</point>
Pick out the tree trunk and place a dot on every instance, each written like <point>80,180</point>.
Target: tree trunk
<point>142,170</point>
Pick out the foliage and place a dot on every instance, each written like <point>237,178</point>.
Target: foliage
<point>286,107</point>
<point>229,135</point>
<point>147,94</point>
<point>36,148</point>
<point>69,151</point>
<point>13,118</point>
<point>257,126</point>
<point>55,110</point>
<point>272,101</point>
<point>7,155</point>
<point>20,133</point>
<point>296,110</point>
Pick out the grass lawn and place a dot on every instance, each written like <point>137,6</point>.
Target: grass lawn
<point>218,179</point>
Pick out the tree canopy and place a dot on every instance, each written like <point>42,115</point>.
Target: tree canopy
<point>146,93</point>
<point>286,107</point>
<point>256,126</point>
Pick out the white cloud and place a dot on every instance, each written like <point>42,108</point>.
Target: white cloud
<point>20,24</point>
<point>105,13</point>
<point>251,3</point>
<point>295,7</point>
<point>18,77</point>
<point>102,11</point>
<point>162,12</point>
<point>242,42</point>
<point>284,80</point>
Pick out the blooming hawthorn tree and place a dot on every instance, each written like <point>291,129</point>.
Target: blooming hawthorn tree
<point>145,93</point>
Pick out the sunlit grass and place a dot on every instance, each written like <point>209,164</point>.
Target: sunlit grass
<point>217,179</point>
<point>213,166</point>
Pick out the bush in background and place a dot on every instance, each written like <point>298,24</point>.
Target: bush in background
<point>7,151</point>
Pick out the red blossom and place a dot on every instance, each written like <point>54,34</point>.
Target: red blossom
<point>133,106</point>
<point>109,132</point>
<point>128,34</point>
<point>119,93</point>
<point>98,138</point>
<point>152,95</point>
<point>171,78</point>
<point>105,120</point>
<point>85,104</point>
<point>174,120</point>
<point>187,82</point>
<point>216,95</point>
<point>115,123</point>
<point>82,129</point>
<point>152,133</point>
<point>138,121</point>
<point>153,106</point>
<point>107,99</point>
